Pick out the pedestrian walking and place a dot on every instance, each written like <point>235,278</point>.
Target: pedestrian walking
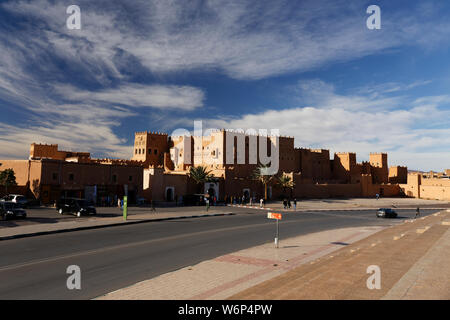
<point>119,202</point>
<point>417,213</point>
<point>285,203</point>
<point>152,206</point>
<point>295,204</point>
<point>289,203</point>
<point>207,204</point>
<point>261,202</point>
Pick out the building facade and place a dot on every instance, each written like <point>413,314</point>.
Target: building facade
<point>159,170</point>
<point>230,157</point>
<point>50,174</point>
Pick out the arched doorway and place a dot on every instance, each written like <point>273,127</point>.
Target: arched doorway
<point>212,188</point>
<point>169,193</point>
<point>246,193</point>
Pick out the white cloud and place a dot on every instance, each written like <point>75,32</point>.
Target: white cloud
<point>137,95</point>
<point>97,138</point>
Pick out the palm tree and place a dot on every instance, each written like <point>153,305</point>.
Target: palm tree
<point>285,182</point>
<point>200,175</point>
<point>7,178</point>
<point>262,174</point>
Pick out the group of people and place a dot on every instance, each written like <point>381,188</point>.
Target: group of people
<point>244,200</point>
<point>287,204</point>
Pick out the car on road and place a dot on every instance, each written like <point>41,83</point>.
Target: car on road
<point>16,198</point>
<point>79,207</point>
<point>386,213</point>
<point>10,209</point>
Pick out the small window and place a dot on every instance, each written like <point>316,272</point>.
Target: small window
<point>156,151</point>
<point>135,151</point>
<point>130,178</point>
<point>114,178</point>
<point>149,151</point>
<point>71,177</point>
<point>55,176</point>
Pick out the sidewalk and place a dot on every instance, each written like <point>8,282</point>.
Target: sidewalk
<point>100,222</point>
<point>413,258</point>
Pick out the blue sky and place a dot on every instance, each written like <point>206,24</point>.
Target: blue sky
<point>309,68</point>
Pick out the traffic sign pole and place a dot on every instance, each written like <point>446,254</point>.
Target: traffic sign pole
<point>276,216</point>
<point>278,235</point>
<point>125,207</point>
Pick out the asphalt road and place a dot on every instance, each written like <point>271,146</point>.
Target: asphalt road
<point>115,257</point>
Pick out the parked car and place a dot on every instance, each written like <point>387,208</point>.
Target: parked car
<point>386,213</point>
<point>16,198</point>
<point>79,207</point>
<point>10,209</point>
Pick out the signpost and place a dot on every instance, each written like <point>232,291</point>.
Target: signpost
<point>125,207</point>
<point>276,216</point>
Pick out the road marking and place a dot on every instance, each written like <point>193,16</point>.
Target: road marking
<point>423,229</point>
<point>399,237</point>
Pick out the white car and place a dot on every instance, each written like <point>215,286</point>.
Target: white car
<point>16,198</point>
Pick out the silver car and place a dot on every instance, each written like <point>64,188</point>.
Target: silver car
<point>16,198</point>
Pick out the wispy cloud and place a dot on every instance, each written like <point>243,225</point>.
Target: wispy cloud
<point>138,95</point>
<point>244,39</point>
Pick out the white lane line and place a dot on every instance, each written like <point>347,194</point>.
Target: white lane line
<point>422,230</point>
<point>399,237</point>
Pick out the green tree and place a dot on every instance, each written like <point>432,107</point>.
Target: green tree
<point>285,182</point>
<point>7,178</point>
<point>200,175</point>
<point>262,174</point>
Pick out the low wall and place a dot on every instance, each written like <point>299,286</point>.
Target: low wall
<point>434,192</point>
<point>327,190</point>
<point>385,190</point>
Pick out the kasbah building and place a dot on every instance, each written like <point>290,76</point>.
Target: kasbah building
<point>159,171</point>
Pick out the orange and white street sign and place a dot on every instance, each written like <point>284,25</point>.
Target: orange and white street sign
<point>273,215</point>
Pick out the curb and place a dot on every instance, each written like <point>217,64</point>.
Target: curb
<point>40,233</point>
<point>320,210</point>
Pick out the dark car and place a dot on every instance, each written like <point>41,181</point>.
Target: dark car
<point>386,213</point>
<point>11,210</point>
<point>79,207</point>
